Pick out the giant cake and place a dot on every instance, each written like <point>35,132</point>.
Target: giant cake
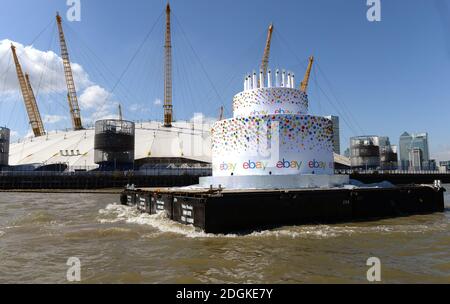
<point>271,134</point>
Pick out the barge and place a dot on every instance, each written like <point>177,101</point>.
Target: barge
<point>222,211</point>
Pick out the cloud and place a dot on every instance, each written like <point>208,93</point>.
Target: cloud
<point>139,108</point>
<point>200,117</point>
<point>44,67</point>
<point>157,102</point>
<point>52,119</point>
<point>93,97</point>
<point>47,76</point>
<point>97,103</point>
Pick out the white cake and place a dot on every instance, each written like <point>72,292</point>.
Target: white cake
<point>271,133</point>
<point>272,142</point>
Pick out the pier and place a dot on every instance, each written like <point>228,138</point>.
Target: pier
<point>97,179</point>
<point>92,180</point>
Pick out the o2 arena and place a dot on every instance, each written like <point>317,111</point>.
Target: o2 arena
<point>185,143</point>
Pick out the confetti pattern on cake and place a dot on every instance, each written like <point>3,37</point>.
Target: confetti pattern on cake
<point>296,133</point>
<point>267,101</point>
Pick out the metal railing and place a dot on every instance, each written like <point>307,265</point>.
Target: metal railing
<point>394,172</point>
<point>145,172</point>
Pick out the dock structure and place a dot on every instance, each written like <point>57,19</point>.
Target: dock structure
<point>90,180</point>
<point>222,211</point>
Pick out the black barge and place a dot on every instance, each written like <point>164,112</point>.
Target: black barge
<point>222,211</point>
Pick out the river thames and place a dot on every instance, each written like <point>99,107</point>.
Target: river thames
<point>39,232</point>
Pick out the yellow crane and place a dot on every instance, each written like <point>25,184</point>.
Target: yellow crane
<point>266,55</point>
<point>168,108</point>
<point>71,91</point>
<point>305,82</point>
<point>28,97</point>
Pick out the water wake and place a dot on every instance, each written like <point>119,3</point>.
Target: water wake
<point>114,213</point>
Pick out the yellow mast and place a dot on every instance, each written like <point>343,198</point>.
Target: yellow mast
<point>71,91</point>
<point>265,60</point>
<point>168,108</point>
<point>305,82</point>
<point>28,97</point>
<point>37,114</point>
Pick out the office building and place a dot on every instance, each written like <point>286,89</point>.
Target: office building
<point>408,143</point>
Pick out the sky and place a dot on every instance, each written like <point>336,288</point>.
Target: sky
<point>380,78</point>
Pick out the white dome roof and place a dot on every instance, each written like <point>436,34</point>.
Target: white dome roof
<point>189,140</point>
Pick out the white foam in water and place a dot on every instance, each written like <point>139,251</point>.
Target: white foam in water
<point>2,233</point>
<point>114,213</point>
<point>119,213</point>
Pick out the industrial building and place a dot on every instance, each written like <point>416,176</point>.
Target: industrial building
<point>372,152</point>
<point>4,147</point>
<point>364,152</point>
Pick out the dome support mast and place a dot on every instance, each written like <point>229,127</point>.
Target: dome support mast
<point>28,97</point>
<point>266,56</point>
<point>168,107</point>
<point>71,91</point>
<point>305,82</point>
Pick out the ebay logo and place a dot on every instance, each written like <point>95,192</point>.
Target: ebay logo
<point>255,165</point>
<point>226,167</point>
<point>314,164</point>
<point>285,164</point>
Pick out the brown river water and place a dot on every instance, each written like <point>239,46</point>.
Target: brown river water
<point>116,244</point>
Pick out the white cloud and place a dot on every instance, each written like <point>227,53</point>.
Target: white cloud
<point>94,97</point>
<point>47,75</point>
<point>139,108</point>
<point>97,103</point>
<point>52,119</point>
<point>200,117</point>
<point>157,102</point>
<point>44,67</point>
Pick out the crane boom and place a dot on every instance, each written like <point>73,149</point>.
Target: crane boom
<point>305,82</point>
<point>168,108</point>
<point>265,60</point>
<point>71,91</point>
<point>28,97</point>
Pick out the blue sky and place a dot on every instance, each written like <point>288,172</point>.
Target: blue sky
<point>382,78</point>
